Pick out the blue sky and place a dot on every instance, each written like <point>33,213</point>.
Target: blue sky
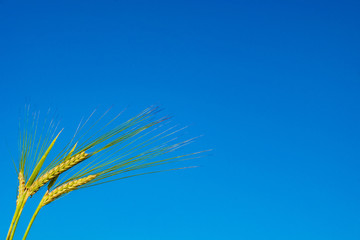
<point>272,85</point>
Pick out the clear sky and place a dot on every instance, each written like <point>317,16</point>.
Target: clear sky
<point>272,85</point>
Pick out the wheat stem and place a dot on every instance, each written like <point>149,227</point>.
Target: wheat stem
<point>19,208</point>
<point>33,218</point>
<point>12,221</point>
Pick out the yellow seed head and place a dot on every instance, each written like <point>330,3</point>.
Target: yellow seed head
<point>21,188</point>
<point>66,188</point>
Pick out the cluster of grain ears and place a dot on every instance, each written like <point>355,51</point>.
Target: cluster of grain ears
<point>94,172</point>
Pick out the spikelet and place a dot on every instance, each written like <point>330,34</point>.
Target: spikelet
<point>66,188</point>
<point>21,189</point>
<point>57,170</point>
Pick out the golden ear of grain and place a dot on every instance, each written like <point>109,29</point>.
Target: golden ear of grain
<point>21,189</point>
<point>65,188</point>
<point>57,170</point>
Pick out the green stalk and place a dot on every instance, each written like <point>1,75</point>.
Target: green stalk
<point>33,217</point>
<point>18,211</point>
<point>13,220</point>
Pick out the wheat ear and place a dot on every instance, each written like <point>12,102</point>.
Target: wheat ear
<point>57,170</point>
<point>65,188</point>
<point>20,202</point>
<point>21,189</point>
